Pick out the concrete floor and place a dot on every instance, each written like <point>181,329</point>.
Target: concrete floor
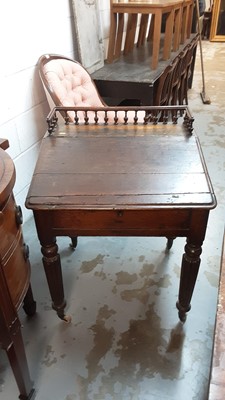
<point>125,340</point>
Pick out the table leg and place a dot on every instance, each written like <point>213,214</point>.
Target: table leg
<point>53,271</point>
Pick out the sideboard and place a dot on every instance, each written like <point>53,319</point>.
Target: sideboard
<point>15,288</point>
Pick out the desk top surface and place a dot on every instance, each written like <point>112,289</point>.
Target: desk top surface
<point>113,166</point>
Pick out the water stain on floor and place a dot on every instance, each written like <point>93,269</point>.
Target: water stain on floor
<point>142,351</point>
<point>49,357</point>
<point>88,266</point>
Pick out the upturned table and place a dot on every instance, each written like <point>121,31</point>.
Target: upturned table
<point>178,20</point>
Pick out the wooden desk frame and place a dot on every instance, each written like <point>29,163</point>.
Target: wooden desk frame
<point>76,209</point>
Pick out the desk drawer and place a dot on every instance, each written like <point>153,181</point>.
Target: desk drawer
<point>121,222</point>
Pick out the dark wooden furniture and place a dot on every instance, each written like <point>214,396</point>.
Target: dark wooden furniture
<point>15,286</point>
<point>122,179</point>
<point>131,78</point>
<point>217,378</point>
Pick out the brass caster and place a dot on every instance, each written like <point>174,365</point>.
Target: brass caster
<point>182,312</point>
<point>67,319</point>
<point>182,317</point>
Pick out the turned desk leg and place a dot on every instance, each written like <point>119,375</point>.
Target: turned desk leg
<point>189,271</point>
<point>169,243</point>
<point>53,271</point>
<point>191,260</point>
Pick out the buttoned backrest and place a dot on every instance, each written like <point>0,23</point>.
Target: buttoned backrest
<point>71,84</point>
<point>67,83</point>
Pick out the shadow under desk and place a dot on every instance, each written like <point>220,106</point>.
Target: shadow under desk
<point>131,77</point>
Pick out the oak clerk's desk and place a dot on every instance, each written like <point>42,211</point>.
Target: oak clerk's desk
<point>121,180</point>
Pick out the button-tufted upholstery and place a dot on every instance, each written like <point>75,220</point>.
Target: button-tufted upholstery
<point>68,84</point>
<point>71,83</point>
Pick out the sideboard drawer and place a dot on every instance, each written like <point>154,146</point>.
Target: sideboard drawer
<point>15,287</point>
<point>9,225</point>
<point>16,269</point>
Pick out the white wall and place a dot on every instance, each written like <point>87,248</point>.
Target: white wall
<point>104,7</point>
<point>30,28</point>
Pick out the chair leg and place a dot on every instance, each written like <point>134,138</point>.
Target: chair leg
<point>151,28</point>
<point>142,30</point>
<point>130,34</point>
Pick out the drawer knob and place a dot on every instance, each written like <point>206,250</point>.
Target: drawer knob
<point>19,215</point>
<point>120,213</point>
<point>26,251</point>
